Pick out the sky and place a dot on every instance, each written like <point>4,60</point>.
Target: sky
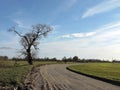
<point>88,29</point>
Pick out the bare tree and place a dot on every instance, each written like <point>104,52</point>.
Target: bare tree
<point>30,40</point>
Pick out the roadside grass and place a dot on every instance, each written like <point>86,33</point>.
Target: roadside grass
<point>12,74</point>
<point>110,71</point>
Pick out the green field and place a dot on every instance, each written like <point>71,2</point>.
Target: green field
<point>109,71</point>
<point>12,75</point>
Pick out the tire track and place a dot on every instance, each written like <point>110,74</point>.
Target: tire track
<point>61,79</point>
<point>56,77</point>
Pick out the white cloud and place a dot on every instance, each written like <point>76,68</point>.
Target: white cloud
<point>90,33</point>
<point>108,32</point>
<point>65,36</point>
<point>77,47</point>
<point>106,5</point>
<point>102,43</point>
<point>78,35</point>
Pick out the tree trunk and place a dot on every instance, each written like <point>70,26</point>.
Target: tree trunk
<point>29,57</point>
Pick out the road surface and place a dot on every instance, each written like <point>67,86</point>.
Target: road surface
<point>56,77</point>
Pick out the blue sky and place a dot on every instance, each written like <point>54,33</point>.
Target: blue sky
<point>86,28</point>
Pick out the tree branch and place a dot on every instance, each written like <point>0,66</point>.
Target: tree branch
<point>13,29</point>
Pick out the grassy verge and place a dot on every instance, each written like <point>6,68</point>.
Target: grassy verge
<point>11,75</point>
<point>109,72</point>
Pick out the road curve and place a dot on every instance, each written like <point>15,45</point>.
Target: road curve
<point>56,77</point>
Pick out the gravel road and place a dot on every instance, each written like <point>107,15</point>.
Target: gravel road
<point>56,77</point>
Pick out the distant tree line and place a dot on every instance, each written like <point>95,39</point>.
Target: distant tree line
<point>77,59</point>
<point>65,59</point>
<point>3,58</point>
<point>116,61</point>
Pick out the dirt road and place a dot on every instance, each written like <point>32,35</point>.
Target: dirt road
<point>56,77</point>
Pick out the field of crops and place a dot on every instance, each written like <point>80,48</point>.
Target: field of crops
<point>110,71</point>
<point>12,74</point>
